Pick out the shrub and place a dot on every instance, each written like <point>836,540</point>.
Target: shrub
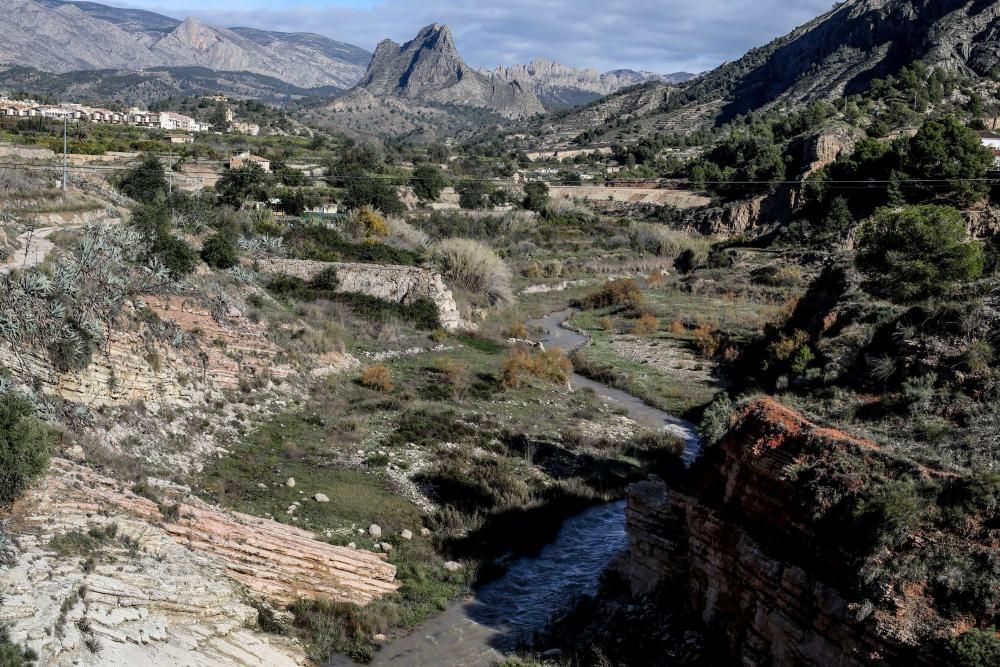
<point>977,357</point>
<point>145,183</point>
<point>518,330</point>
<point>706,339</point>
<point>404,235</point>
<point>717,420</point>
<point>220,252</point>
<point>916,252</point>
<point>624,293</point>
<point>176,254</point>
<point>473,266</point>
<point>646,325</point>
<point>521,367</point>
<point>12,655</point>
<point>370,223</point>
<point>25,443</point>
<point>976,648</point>
<point>327,280</point>
<point>378,378</point>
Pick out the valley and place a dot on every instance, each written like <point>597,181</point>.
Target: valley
<point>311,355</point>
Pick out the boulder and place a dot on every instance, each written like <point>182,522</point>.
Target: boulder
<point>406,534</point>
<point>375,530</point>
<point>321,498</point>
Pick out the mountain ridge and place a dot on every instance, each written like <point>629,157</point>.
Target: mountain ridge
<point>560,86</point>
<point>91,36</point>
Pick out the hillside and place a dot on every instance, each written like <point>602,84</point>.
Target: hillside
<point>57,36</point>
<point>837,54</point>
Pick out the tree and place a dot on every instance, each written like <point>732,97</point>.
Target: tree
<point>375,192</point>
<point>220,252</point>
<point>916,252</point>
<point>428,181</point>
<point>146,183</point>
<point>536,196</point>
<point>474,195</point>
<point>249,182</point>
<point>175,254</point>
<point>25,443</point>
<point>219,120</point>
<point>836,223</point>
<point>946,150</point>
<point>355,161</point>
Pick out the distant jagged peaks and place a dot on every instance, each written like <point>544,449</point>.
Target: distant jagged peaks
<point>561,86</point>
<point>429,68</point>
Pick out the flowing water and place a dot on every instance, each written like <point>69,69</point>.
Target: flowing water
<point>474,633</point>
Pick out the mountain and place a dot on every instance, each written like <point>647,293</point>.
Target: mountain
<point>429,69</point>
<point>839,53</point>
<point>562,87</point>
<point>58,36</point>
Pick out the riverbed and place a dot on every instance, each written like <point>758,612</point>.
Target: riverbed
<point>476,631</point>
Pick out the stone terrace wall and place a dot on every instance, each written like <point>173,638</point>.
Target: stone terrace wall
<point>399,284</point>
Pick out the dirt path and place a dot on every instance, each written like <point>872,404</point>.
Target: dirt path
<point>35,247</point>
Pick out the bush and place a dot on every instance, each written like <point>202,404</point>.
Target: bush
<point>220,252</point>
<point>473,266</point>
<point>378,378</point>
<point>370,223</point>
<point>327,280</point>
<point>624,293</point>
<point>717,420</point>
<point>12,655</point>
<point>176,254</point>
<point>976,648</point>
<point>916,252</point>
<point>521,367</point>
<point>404,235</point>
<point>25,443</point>
<point>646,325</point>
<point>146,183</point>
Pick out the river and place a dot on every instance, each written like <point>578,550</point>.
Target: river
<point>474,632</point>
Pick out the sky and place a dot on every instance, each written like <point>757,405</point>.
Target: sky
<point>656,35</point>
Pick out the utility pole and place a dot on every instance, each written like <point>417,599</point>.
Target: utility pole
<point>65,153</point>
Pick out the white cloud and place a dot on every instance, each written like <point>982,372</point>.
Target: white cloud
<point>658,35</point>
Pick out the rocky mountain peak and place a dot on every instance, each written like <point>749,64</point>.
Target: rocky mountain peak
<point>196,34</point>
<point>429,68</point>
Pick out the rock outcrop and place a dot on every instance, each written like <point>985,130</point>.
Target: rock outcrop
<point>163,589</point>
<point>739,540</point>
<point>399,284</point>
<point>429,69</point>
<point>138,364</point>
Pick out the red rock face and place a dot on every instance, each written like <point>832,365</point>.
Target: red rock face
<point>740,540</point>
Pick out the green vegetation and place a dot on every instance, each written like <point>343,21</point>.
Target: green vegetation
<point>12,655</point>
<point>976,648</point>
<point>915,253</point>
<point>25,445</point>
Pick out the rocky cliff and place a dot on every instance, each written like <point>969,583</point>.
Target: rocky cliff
<point>399,284</point>
<point>741,538</point>
<point>429,69</point>
<point>59,36</point>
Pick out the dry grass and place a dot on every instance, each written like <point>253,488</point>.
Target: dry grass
<point>677,328</point>
<point>378,378</point>
<point>706,339</point>
<point>624,293</point>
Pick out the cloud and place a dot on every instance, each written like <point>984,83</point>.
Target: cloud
<point>658,35</point>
